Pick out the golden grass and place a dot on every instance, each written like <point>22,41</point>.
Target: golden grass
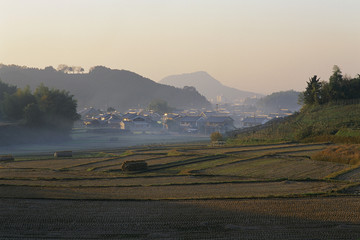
<point>174,152</point>
<point>346,154</point>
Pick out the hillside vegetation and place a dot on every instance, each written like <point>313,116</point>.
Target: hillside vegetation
<point>331,122</point>
<point>331,113</point>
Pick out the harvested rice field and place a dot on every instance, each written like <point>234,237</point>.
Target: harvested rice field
<point>257,219</point>
<point>187,192</point>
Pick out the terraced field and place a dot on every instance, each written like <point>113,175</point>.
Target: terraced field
<point>269,185</point>
<point>185,172</point>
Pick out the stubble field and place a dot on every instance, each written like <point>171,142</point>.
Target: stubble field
<point>256,192</point>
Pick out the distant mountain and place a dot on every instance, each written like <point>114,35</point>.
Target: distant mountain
<point>103,87</point>
<point>208,86</point>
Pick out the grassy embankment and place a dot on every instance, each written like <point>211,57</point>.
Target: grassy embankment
<point>336,123</point>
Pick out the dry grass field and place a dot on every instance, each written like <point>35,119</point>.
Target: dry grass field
<point>188,192</point>
<point>258,219</point>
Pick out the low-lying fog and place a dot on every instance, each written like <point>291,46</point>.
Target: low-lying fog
<point>83,140</point>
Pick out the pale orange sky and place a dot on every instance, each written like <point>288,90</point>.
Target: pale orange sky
<point>255,45</point>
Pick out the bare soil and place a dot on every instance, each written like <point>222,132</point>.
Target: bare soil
<point>311,218</point>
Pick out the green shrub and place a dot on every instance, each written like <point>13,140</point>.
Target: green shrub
<point>216,136</point>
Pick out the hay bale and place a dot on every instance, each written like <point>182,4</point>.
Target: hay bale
<point>134,165</point>
<point>63,154</point>
<point>218,143</point>
<point>6,157</point>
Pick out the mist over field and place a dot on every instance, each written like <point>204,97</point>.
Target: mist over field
<point>81,141</point>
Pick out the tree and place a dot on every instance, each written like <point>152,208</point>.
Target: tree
<point>77,69</point>
<point>190,88</point>
<point>13,105</point>
<point>58,107</point>
<point>32,115</point>
<point>335,84</point>
<point>49,69</point>
<point>325,92</point>
<point>312,93</point>
<point>110,109</point>
<point>63,68</point>
<point>6,88</point>
<point>50,108</point>
<point>159,106</point>
<point>216,136</point>
<point>339,87</point>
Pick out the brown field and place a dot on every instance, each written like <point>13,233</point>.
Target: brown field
<point>190,192</point>
<point>258,219</point>
<point>353,175</point>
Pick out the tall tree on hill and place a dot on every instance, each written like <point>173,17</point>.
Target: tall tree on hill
<point>336,84</point>
<point>312,93</point>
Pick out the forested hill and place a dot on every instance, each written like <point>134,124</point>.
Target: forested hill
<point>103,87</point>
<point>279,100</point>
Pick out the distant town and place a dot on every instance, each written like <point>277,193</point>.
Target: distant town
<point>225,117</point>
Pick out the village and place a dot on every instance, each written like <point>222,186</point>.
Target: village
<point>223,119</point>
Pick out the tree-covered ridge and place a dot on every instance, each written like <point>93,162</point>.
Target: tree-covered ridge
<point>46,108</point>
<point>102,87</point>
<point>279,100</point>
<point>339,87</point>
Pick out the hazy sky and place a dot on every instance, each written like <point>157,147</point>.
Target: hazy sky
<point>255,45</point>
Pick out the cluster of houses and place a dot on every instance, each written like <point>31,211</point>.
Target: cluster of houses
<point>144,121</point>
<point>191,121</point>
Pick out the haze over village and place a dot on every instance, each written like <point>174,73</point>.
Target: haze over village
<point>193,103</point>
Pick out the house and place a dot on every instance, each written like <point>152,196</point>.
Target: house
<point>114,121</point>
<point>88,113</point>
<point>171,121</point>
<point>191,123</point>
<point>92,123</point>
<point>220,124</point>
<point>135,122</point>
<point>208,114</point>
<point>254,121</point>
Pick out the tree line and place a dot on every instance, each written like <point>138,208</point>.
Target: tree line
<point>339,87</point>
<point>43,108</point>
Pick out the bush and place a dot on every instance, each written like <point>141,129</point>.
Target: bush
<point>346,154</point>
<point>303,132</point>
<point>216,136</point>
<point>174,152</point>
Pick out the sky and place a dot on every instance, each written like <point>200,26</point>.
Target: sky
<point>262,46</point>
